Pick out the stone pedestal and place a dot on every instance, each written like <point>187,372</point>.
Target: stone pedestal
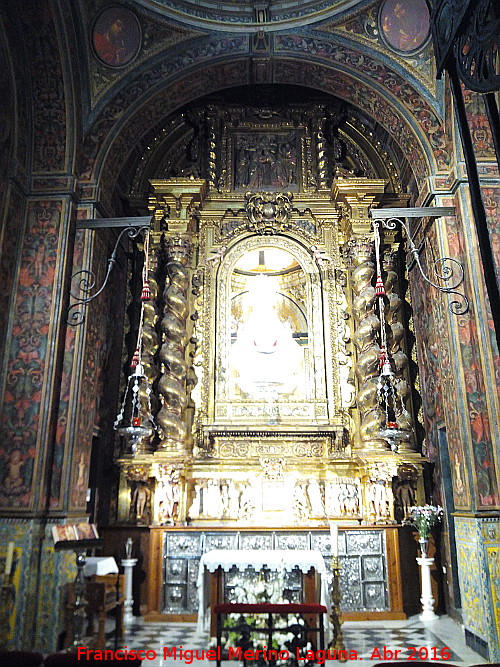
<point>128,566</point>
<point>426,597</point>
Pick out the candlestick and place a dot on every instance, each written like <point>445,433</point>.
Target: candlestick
<point>8,560</point>
<point>337,642</point>
<point>334,538</point>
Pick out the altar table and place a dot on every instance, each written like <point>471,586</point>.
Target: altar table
<point>210,590</point>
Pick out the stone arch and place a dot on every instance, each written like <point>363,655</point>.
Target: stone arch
<point>354,77</point>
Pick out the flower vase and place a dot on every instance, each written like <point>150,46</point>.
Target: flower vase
<point>424,546</point>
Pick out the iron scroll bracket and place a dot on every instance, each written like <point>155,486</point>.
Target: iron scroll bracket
<point>131,228</point>
<point>448,272</point>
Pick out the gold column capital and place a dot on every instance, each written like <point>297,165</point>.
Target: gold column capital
<point>358,195</point>
<point>174,200</point>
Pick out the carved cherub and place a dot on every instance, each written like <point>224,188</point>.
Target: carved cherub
<point>320,256</point>
<point>216,255</point>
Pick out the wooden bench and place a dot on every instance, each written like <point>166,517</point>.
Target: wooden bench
<point>305,610</point>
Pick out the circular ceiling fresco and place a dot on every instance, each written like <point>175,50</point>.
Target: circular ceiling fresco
<point>244,15</point>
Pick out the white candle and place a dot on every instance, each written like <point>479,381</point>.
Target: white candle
<point>8,559</point>
<point>334,536</point>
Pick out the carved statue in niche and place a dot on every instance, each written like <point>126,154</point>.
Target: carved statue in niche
<point>247,502</point>
<point>212,500</point>
<point>140,494</point>
<point>315,498</point>
<point>141,497</point>
<point>378,502</point>
<point>342,498</point>
<point>169,494</point>
<point>195,507</point>
<point>352,500</point>
<point>332,499</point>
<point>234,495</point>
<point>265,360</point>
<point>224,498</point>
<point>404,489</point>
<point>300,508</point>
<point>271,332</point>
<point>221,499</point>
<point>404,499</point>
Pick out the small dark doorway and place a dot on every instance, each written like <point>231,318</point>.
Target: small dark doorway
<point>449,527</point>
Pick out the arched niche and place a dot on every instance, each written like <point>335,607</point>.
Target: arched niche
<point>269,341</point>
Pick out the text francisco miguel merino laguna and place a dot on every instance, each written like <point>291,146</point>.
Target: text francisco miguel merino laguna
<point>189,655</point>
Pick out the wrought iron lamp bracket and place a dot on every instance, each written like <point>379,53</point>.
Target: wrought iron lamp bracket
<point>449,271</point>
<point>132,227</point>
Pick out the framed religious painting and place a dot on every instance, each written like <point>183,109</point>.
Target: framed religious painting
<point>404,24</point>
<point>116,36</point>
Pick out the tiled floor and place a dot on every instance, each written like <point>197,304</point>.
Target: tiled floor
<point>367,639</point>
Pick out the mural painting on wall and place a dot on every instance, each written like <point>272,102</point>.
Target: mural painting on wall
<point>8,254</point>
<point>477,407</point>
<point>479,125</point>
<point>491,198</point>
<point>62,419</point>
<point>116,36</point>
<point>49,119</point>
<point>405,24</point>
<point>265,161</point>
<point>180,92</point>
<point>64,407</point>
<point>437,380</point>
<point>24,386</point>
<point>95,371</point>
<point>10,592</point>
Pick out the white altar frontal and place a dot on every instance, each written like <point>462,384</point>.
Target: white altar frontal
<point>266,583</point>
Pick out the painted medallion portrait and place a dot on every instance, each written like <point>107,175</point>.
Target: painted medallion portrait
<point>405,24</point>
<point>116,36</point>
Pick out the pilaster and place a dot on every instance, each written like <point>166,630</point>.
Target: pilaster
<point>478,553</point>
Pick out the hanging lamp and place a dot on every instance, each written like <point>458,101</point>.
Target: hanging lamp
<point>389,395</point>
<point>135,420</point>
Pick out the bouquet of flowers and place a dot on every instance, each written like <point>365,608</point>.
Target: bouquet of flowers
<point>424,517</point>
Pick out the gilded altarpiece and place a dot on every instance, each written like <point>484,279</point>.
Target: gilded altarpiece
<point>262,335</point>
<point>254,374</point>
<point>262,347</point>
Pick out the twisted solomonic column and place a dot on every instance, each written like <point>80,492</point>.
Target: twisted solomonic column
<point>150,343</point>
<point>172,385</point>
<point>396,347</point>
<point>366,339</point>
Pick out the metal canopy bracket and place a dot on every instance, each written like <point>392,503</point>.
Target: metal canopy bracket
<point>132,227</point>
<point>106,223</point>
<point>422,212</point>
<point>449,272</point>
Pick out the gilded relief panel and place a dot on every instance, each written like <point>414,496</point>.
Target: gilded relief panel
<point>266,160</point>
